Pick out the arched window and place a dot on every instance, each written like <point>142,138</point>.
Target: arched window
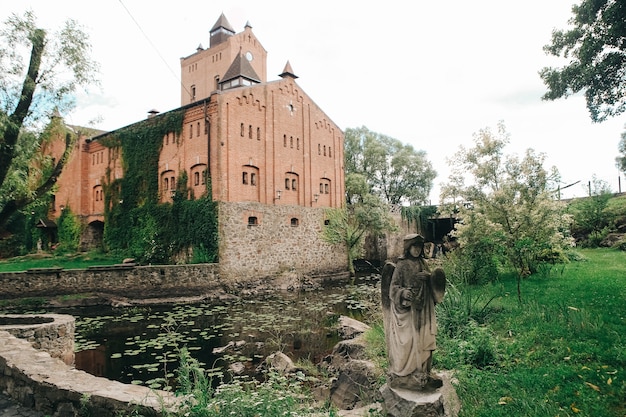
<point>294,184</point>
<point>196,178</point>
<point>242,129</point>
<point>244,178</point>
<point>258,133</point>
<point>166,183</point>
<point>286,183</point>
<point>285,141</point>
<point>250,132</point>
<point>295,221</point>
<point>253,221</point>
<point>198,130</point>
<point>252,178</point>
<point>291,141</point>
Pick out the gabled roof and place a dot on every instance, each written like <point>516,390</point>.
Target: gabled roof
<point>241,68</point>
<point>222,22</point>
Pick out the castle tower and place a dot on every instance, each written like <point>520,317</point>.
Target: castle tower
<point>203,71</point>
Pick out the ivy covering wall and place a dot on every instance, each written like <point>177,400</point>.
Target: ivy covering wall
<point>135,222</point>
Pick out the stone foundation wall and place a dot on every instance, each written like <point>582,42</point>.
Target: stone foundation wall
<point>285,242</point>
<point>53,333</point>
<point>39,381</point>
<point>123,280</point>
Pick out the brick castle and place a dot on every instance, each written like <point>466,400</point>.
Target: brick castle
<point>273,157</point>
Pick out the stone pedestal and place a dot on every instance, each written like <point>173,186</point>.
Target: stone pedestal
<point>405,403</point>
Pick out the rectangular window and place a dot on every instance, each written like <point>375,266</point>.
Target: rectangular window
<point>253,179</point>
<point>244,178</point>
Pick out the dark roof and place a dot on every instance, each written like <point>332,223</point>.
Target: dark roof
<point>288,71</point>
<point>241,68</point>
<point>46,224</point>
<point>222,22</point>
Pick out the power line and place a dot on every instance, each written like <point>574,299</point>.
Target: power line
<point>153,46</point>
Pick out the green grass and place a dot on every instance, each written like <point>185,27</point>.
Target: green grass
<point>561,352</point>
<point>74,261</point>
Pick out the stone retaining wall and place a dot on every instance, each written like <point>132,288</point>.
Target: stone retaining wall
<point>123,280</point>
<point>47,384</point>
<point>53,333</point>
<point>285,242</point>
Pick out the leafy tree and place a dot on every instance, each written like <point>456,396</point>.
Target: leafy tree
<point>349,226</point>
<point>31,86</point>
<point>596,49</point>
<point>508,213</point>
<point>393,171</point>
<point>590,214</point>
<point>620,161</point>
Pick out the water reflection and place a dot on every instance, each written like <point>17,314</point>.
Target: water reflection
<point>140,344</point>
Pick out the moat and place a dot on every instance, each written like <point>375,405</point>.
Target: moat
<point>140,344</point>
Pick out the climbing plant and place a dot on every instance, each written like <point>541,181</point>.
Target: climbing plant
<point>69,230</point>
<point>135,221</point>
<point>418,215</point>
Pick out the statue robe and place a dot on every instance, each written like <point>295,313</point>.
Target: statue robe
<point>412,324</point>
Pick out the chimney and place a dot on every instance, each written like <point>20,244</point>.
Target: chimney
<point>152,113</point>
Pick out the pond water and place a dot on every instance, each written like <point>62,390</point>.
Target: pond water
<point>140,345</point>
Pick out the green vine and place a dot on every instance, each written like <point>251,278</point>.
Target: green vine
<point>418,215</point>
<point>135,222</point>
<point>69,230</point>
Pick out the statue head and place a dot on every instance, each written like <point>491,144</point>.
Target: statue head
<point>413,246</point>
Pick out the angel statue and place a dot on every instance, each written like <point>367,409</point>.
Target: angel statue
<point>409,294</point>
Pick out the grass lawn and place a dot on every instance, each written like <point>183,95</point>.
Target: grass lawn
<point>73,261</point>
<point>561,352</point>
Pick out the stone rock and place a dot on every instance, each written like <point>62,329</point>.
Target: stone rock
<point>237,368</point>
<point>366,411</point>
<point>279,362</point>
<point>350,328</point>
<point>343,352</point>
<point>356,385</point>
<point>612,239</point>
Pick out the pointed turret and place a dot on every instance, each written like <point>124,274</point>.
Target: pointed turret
<point>221,31</point>
<point>288,72</point>
<point>240,73</point>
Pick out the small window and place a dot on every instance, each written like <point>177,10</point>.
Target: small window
<point>285,141</point>
<point>293,185</point>
<point>196,178</point>
<point>198,130</point>
<point>291,141</point>
<point>172,183</point>
<point>245,178</point>
<point>242,130</point>
<point>326,222</point>
<point>166,183</point>
<point>167,139</point>
<point>190,131</point>
<point>250,132</point>
<point>324,150</point>
<point>252,178</point>
<point>321,188</point>
<point>258,133</point>
<point>253,221</point>
<point>286,183</point>
<point>297,143</point>
<point>329,152</point>
<point>325,188</point>
<point>295,221</point>
<point>319,149</point>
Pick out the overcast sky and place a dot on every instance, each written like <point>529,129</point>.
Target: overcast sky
<point>427,73</point>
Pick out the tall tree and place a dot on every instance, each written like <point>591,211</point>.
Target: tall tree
<point>38,73</point>
<point>349,226</point>
<point>596,49</point>
<point>620,160</point>
<point>394,171</point>
<point>510,209</point>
